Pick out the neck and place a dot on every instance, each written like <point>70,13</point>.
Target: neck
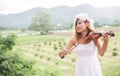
<point>83,34</point>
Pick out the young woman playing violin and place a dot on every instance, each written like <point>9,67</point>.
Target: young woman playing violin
<point>86,44</point>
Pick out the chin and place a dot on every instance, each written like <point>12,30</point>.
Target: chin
<point>79,31</point>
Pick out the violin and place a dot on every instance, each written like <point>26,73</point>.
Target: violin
<point>99,34</point>
<point>110,33</point>
<point>96,35</point>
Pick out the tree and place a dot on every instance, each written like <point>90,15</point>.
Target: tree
<point>97,24</point>
<point>11,64</point>
<point>41,22</point>
<point>116,23</point>
<point>66,26</point>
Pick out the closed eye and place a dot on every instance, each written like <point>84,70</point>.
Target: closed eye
<point>79,23</point>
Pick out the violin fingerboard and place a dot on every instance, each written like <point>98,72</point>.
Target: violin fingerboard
<point>97,33</point>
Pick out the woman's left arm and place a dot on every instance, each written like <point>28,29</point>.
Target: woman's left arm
<point>102,47</point>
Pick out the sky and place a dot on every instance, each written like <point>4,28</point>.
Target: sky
<point>17,6</point>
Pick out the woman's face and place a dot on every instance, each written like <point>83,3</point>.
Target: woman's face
<point>81,26</point>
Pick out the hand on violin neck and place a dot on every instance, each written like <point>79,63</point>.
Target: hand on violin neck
<point>105,36</point>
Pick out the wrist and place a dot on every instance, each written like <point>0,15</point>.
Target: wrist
<point>105,38</point>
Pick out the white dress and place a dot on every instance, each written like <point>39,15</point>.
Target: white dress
<point>87,63</point>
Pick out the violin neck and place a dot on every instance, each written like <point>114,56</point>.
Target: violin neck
<point>108,33</point>
<point>97,33</point>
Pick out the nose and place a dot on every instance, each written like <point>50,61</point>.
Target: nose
<point>78,25</point>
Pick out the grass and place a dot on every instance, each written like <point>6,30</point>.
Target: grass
<point>41,50</point>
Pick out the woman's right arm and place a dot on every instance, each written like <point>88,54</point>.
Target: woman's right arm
<point>67,48</point>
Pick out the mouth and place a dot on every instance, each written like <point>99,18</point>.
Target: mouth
<point>79,33</point>
<point>79,29</point>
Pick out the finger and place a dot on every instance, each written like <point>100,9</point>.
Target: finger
<point>61,54</point>
<point>65,52</point>
<point>104,35</point>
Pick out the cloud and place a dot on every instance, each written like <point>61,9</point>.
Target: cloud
<point>15,6</point>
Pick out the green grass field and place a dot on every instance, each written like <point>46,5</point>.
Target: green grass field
<point>43,49</point>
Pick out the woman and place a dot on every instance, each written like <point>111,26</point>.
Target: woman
<point>86,45</point>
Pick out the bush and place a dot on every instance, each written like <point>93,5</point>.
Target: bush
<point>119,73</point>
<point>43,33</point>
<point>45,43</point>
<point>50,72</point>
<point>114,49</point>
<point>59,43</point>
<point>48,59</point>
<point>73,60</point>
<point>114,54</point>
<point>41,56</point>
<point>55,48</point>
<point>11,64</point>
<point>36,54</point>
<point>6,43</point>
<point>115,43</point>
<point>56,63</point>
<point>39,45</point>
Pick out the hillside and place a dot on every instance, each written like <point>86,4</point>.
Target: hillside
<point>61,14</point>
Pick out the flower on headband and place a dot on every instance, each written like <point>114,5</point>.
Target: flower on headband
<point>82,16</point>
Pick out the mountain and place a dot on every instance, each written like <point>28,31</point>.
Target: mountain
<point>19,20</point>
<point>60,15</point>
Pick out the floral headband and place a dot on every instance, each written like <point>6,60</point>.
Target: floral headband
<point>84,17</point>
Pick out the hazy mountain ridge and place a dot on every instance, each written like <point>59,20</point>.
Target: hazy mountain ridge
<point>61,14</point>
